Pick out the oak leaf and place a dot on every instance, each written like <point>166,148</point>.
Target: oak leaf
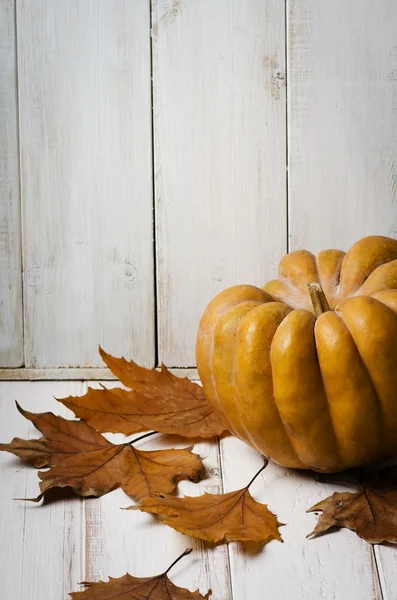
<point>128,587</point>
<point>216,518</point>
<point>81,458</point>
<point>156,400</point>
<point>371,511</point>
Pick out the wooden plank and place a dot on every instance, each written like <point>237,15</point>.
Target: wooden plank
<point>342,119</point>
<point>11,339</point>
<point>70,374</point>
<point>13,477</point>
<point>41,552</point>
<point>387,568</point>
<point>339,566</point>
<point>220,184</point>
<point>119,541</point>
<point>85,113</point>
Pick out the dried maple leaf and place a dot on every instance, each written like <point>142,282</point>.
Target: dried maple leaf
<point>216,518</point>
<point>139,588</point>
<point>81,458</point>
<point>371,511</point>
<point>156,400</point>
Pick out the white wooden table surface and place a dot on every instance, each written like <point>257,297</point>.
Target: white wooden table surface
<point>47,549</point>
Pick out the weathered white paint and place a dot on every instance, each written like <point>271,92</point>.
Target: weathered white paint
<point>51,547</point>
<point>342,121</point>
<point>219,136</point>
<point>11,335</point>
<point>85,127</point>
<point>13,478</point>
<point>339,566</point>
<point>40,554</point>
<point>386,558</point>
<point>81,374</point>
<point>220,141</point>
<point>127,541</point>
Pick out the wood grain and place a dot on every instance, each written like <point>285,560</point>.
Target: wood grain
<point>339,566</point>
<point>85,123</point>
<point>387,567</point>
<point>40,555</point>
<point>342,119</point>
<point>127,541</point>
<point>219,136</point>
<point>51,547</point>
<point>11,338</point>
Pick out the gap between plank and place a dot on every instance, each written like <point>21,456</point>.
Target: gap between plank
<point>18,124</point>
<point>227,543</point>
<point>83,523</point>
<point>82,374</point>
<point>286,125</point>
<point>379,572</point>
<point>154,223</point>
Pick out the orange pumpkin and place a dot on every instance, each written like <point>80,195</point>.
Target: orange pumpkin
<point>305,369</point>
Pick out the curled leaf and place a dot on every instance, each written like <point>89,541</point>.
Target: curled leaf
<point>371,511</point>
<point>81,458</point>
<point>156,400</point>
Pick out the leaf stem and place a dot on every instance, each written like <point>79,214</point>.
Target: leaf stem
<point>266,462</point>
<point>145,435</point>
<point>184,553</point>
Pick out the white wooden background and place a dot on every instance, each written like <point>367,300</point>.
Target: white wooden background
<point>230,131</point>
<point>152,154</point>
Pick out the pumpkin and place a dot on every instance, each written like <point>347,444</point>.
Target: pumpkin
<point>305,369</point>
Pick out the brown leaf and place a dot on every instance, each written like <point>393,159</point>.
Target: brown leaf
<point>216,518</point>
<point>371,511</point>
<point>156,400</point>
<point>139,588</point>
<point>81,458</point>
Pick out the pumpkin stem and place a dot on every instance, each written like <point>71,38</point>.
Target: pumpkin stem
<point>318,298</point>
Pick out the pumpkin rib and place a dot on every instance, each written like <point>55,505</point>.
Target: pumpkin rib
<point>352,398</point>
<point>388,297</point>
<point>284,291</point>
<point>300,395</point>
<point>287,430</point>
<point>257,407</point>
<point>297,269</point>
<point>359,314</point>
<point>329,264</point>
<point>361,260</point>
<point>297,266</point>
<point>213,380</point>
<point>382,278</point>
<point>368,372</point>
<point>205,340</point>
<point>223,360</point>
<point>342,464</point>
